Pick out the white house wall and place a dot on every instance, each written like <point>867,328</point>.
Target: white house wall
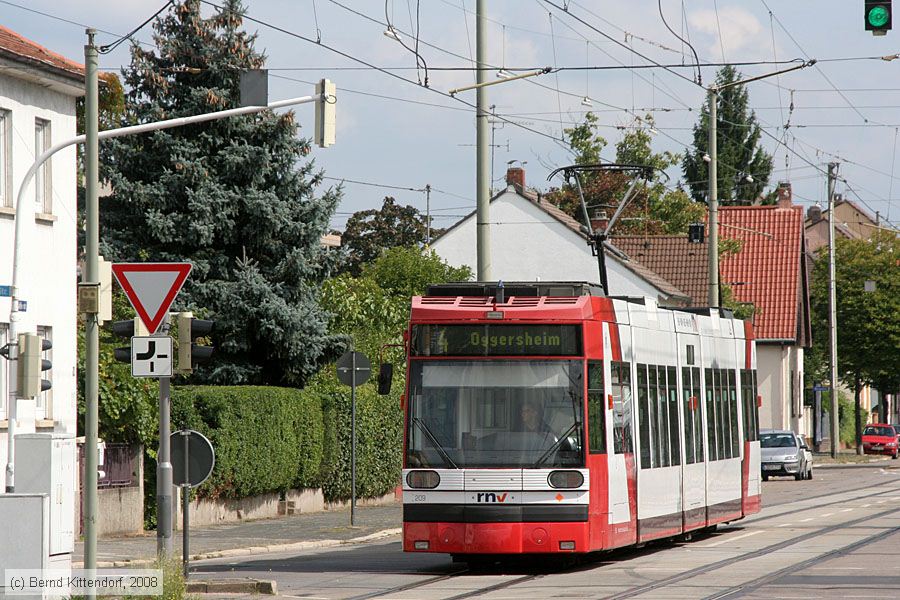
<point>49,274</point>
<point>776,364</point>
<point>527,244</point>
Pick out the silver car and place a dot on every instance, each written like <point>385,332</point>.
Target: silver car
<point>785,453</point>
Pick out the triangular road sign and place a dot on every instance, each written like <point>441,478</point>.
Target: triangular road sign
<point>151,288</point>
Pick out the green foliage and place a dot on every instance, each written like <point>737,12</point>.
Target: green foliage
<point>267,439</point>
<point>585,142</point>
<point>868,328</point>
<point>738,150</point>
<point>846,423</point>
<point>235,197</point>
<point>127,405</point>
<point>379,438</point>
<point>742,310</point>
<point>370,232</point>
<point>174,584</point>
<point>654,210</point>
<point>374,308</point>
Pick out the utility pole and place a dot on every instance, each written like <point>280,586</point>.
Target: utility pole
<point>713,200</point>
<point>713,249</point>
<point>164,491</point>
<point>92,320</point>
<point>427,214</point>
<point>832,314</point>
<point>482,170</point>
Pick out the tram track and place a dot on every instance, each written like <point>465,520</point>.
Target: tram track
<point>681,576</point>
<point>775,576</point>
<point>714,566</point>
<point>409,586</point>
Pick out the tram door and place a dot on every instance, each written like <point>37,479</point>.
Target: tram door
<point>694,479</point>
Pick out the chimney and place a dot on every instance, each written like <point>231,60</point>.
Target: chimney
<point>515,176</point>
<point>599,220</point>
<point>814,214</point>
<point>784,195</point>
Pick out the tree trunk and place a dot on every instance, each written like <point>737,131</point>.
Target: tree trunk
<point>857,388</point>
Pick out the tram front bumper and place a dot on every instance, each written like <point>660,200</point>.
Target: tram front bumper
<point>496,538</point>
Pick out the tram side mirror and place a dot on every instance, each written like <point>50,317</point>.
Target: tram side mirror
<point>385,377</point>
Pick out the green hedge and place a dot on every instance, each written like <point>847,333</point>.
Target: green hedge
<point>267,439</point>
<point>379,439</point>
<point>270,439</point>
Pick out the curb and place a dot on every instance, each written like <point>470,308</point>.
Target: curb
<point>252,550</point>
<point>232,586</point>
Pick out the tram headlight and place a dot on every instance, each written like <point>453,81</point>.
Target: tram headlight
<point>565,479</point>
<point>423,480</point>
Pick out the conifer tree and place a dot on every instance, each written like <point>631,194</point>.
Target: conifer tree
<point>739,152</point>
<point>235,197</point>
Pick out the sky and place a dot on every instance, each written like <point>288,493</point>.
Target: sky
<point>393,132</point>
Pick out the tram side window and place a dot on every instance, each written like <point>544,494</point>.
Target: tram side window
<point>732,398</point>
<point>686,393</point>
<point>753,393</point>
<point>596,409</point>
<point>724,444</point>
<point>662,419</point>
<point>620,373</point>
<point>745,393</point>
<point>698,415</point>
<point>674,438</point>
<point>643,416</point>
<point>710,416</point>
<point>655,437</point>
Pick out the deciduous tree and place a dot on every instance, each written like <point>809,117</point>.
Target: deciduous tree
<point>370,232</point>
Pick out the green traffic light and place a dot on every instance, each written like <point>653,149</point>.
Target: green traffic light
<point>878,16</point>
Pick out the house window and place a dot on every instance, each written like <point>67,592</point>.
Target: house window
<point>43,191</point>
<point>4,397</point>
<point>5,158</point>
<point>42,409</point>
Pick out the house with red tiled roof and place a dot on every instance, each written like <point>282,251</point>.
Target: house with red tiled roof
<point>38,92</point>
<point>533,240</point>
<point>769,272</point>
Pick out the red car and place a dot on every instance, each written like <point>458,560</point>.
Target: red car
<point>880,438</point>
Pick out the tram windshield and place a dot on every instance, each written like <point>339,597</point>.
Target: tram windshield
<point>495,413</point>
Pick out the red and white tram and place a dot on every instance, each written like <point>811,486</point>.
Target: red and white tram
<point>559,420</point>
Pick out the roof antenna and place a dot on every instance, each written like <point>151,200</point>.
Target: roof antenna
<point>498,295</point>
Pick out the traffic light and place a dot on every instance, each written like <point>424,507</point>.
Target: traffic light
<point>126,329</point>
<point>325,113</point>
<point>30,365</point>
<point>190,353</point>
<point>878,16</point>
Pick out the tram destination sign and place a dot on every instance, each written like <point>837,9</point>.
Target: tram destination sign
<point>496,340</point>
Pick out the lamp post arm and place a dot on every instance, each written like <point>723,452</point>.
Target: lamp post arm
<point>21,204</point>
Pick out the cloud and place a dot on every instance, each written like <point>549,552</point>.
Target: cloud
<point>739,30</point>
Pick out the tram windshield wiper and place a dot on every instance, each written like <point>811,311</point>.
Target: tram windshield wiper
<point>549,452</point>
<point>437,445</point>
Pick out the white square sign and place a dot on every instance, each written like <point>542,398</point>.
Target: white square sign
<point>151,356</point>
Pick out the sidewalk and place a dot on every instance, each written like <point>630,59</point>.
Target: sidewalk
<point>848,458</point>
<point>295,532</point>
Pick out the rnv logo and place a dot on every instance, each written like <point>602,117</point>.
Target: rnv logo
<point>491,497</point>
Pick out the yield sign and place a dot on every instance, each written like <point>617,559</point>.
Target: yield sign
<point>151,288</point>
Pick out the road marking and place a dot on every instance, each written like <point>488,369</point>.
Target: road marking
<point>848,509</point>
<point>805,520</point>
<point>865,506</point>
<point>785,524</point>
<point>827,515</point>
<point>731,539</point>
